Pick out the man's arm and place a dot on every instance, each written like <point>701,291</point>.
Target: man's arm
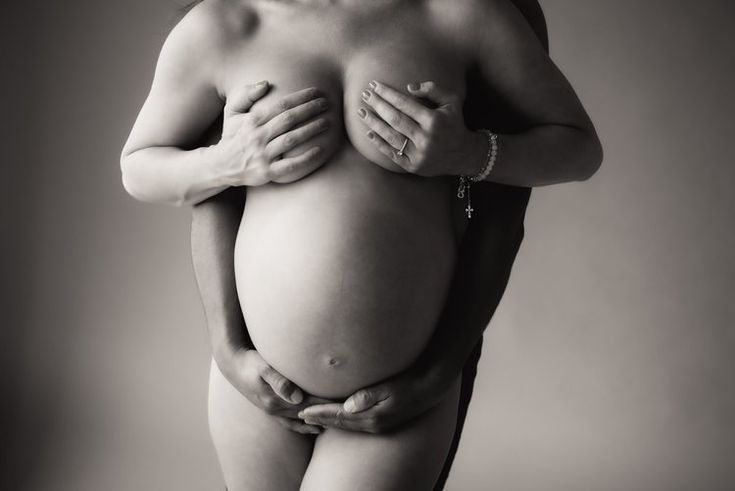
<point>215,224</point>
<point>483,269</point>
<point>214,229</point>
<point>560,143</point>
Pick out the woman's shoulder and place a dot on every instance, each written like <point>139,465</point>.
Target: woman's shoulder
<point>217,23</point>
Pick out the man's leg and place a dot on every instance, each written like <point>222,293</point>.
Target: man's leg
<point>468,381</point>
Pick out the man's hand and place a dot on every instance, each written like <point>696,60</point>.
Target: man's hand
<point>254,142</point>
<point>262,385</point>
<point>387,405</point>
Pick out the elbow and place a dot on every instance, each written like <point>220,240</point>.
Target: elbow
<point>130,181</point>
<point>590,157</point>
<point>135,182</point>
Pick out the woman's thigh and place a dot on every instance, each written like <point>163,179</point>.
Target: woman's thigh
<point>409,458</point>
<point>254,451</point>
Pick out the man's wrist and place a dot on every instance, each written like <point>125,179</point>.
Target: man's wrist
<point>224,349</point>
<point>212,158</point>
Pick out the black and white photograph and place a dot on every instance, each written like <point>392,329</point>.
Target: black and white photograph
<point>367,245</point>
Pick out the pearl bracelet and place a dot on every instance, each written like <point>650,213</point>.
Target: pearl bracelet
<point>466,181</point>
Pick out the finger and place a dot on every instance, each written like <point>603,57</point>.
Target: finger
<point>294,168</point>
<point>389,114</point>
<point>283,388</point>
<point>380,127</point>
<point>364,399</point>
<point>243,99</point>
<point>298,426</point>
<point>314,400</point>
<point>383,147</point>
<point>332,415</point>
<point>288,141</point>
<point>433,92</point>
<point>294,116</point>
<point>407,105</point>
<point>287,102</point>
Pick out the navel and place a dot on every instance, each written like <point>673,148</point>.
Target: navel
<point>333,362</point>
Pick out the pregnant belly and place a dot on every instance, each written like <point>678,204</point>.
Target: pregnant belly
<point>342,275</point>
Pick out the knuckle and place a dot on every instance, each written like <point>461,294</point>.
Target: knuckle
<point>289,140</point>
<point>395,119</point>
<point>256,117</point>
<point>288,118</point>
<point>399,103</point>
<point>288,169</point>
<point>257,138</point>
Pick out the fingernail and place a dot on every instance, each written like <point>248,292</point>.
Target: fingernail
<point>301,414</point>
<point>350,406</point>
<point>373,85</point>
<point>362,113</point>
<point>259,84</point>
<point>414,86</point>
<point>322,103</point>
<point>370,135</point>
<point>365,95</point>
<point>323,124</point>
<point>296,396</point>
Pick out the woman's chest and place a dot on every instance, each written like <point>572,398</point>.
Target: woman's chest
<point>341,56</point>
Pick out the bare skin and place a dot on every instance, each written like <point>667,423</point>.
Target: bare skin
<point>350,159</point>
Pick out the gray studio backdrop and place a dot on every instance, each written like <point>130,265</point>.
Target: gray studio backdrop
<point>609,365</point>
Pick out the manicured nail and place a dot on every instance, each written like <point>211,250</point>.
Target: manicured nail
<point>373,85</point>
<point>365,95</point>
<point>414,86</point>
<point>362,113</point>
<point>371,135</point>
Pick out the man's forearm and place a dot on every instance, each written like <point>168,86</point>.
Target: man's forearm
<point>214,228</point>
<point>546,155</point>
<point>485,260</point>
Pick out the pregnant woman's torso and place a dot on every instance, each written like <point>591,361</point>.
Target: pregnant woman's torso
<point>342,275</point>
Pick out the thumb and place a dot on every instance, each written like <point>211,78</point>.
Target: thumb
<point>283,387</point>
<point>363,400</point>
<point>245,97</point>
<point>433,92</point>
